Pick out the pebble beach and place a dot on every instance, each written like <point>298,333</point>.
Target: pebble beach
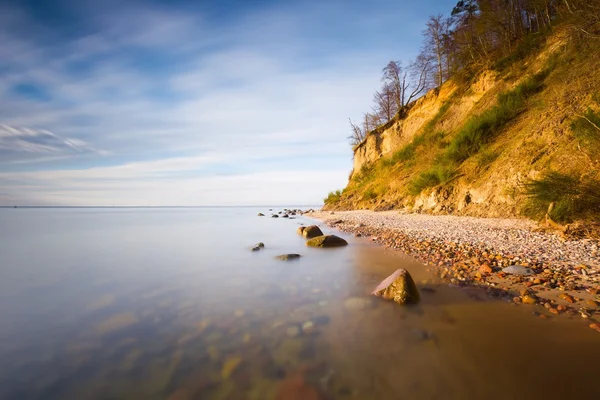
<point>467,251</point>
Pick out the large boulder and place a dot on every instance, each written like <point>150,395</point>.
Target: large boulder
<point>326,241</point>
<point>398,287</point>
<point>311,232</point>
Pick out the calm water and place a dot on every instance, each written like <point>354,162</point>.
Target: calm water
<point>172,304</point>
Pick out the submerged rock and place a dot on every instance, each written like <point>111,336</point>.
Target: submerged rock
<point>398,287</point>
<point>261,214</point>
<point>258,246</point>
<point>327,241</point>
<point>287,257</point>
<point>274,216</point>
<point>311,232</point>
<point>518,270</point>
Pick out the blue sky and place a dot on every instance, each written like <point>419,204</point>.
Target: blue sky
<point>190,102</point>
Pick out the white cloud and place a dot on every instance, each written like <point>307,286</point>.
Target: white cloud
<point>216,107</point>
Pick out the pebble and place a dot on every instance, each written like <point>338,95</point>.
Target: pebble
<point>528,299</point>
<point>308,327</point>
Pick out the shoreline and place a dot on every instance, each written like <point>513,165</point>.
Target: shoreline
<point>469,251</point>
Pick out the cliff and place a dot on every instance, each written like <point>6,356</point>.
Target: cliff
<point>478,148</point>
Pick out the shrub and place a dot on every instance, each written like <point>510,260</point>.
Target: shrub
<point>439,174</point>
<point>370,194</point>
<point>571,196</point>
<point>333,197</point>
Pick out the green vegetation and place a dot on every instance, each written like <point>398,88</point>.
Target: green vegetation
<point>333,197</point>
<point>434,176</point>
<point>480,129</point>
<point>572,197</point>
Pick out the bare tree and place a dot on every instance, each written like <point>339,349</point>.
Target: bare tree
<point>358,134</point>
<point>435,46</point>
<point>385,102</point>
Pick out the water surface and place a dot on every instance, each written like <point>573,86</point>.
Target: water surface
<point>172,304</point>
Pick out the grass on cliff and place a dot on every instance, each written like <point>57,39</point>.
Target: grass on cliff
<point>333,197</point>
<point>481,129</point>
<point>572,196</point>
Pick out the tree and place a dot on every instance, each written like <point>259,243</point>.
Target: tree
<point>406,84</point>
<point>358,134</point>
<point>436,45</point>
<point>385,102</point>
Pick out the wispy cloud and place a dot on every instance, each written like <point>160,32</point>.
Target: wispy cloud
<point>208,95</point>
<point>21,139</point>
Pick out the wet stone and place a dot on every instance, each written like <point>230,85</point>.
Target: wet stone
<point>288,257</point>
<point>518,270</point>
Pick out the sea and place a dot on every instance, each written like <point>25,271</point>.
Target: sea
<point>172,303</point>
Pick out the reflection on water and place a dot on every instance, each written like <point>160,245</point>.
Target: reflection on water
<point>172,304</point>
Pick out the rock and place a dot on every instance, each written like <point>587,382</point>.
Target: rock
<point>288,257</point>
<point>485,269</point>
<point>358,303</point>
<point>398,287</point>
<point>518,270</point>
<point>285,216</point>
<point>300,230</point>
<point>566,297</point>
<point>554,311</point>
<point>595,326</point>
<point>308,327</point>
<point>336,222</point>
<point>311,232</point>
<point>361,225</point>
<point>528,299</point>
<point>274,216</point>
<point>258,246</point>
<point>326,241</point>
<point>516,299</point>
<point>261,214</point>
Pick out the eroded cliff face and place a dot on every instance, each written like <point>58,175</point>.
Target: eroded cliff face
<point>380,143</point>
<point>536,139</point>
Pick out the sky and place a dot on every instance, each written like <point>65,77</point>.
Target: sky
<point>190,103</point>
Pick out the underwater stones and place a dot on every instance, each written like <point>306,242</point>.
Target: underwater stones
<point>229,366</point>
<point>358,303</point>
<point>326,241</point>
<point>518,270</point>
<point>398,287</point>
<point>288,257</point>
<point>311,232</point>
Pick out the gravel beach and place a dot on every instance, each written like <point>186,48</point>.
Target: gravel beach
<point>564,275</point>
